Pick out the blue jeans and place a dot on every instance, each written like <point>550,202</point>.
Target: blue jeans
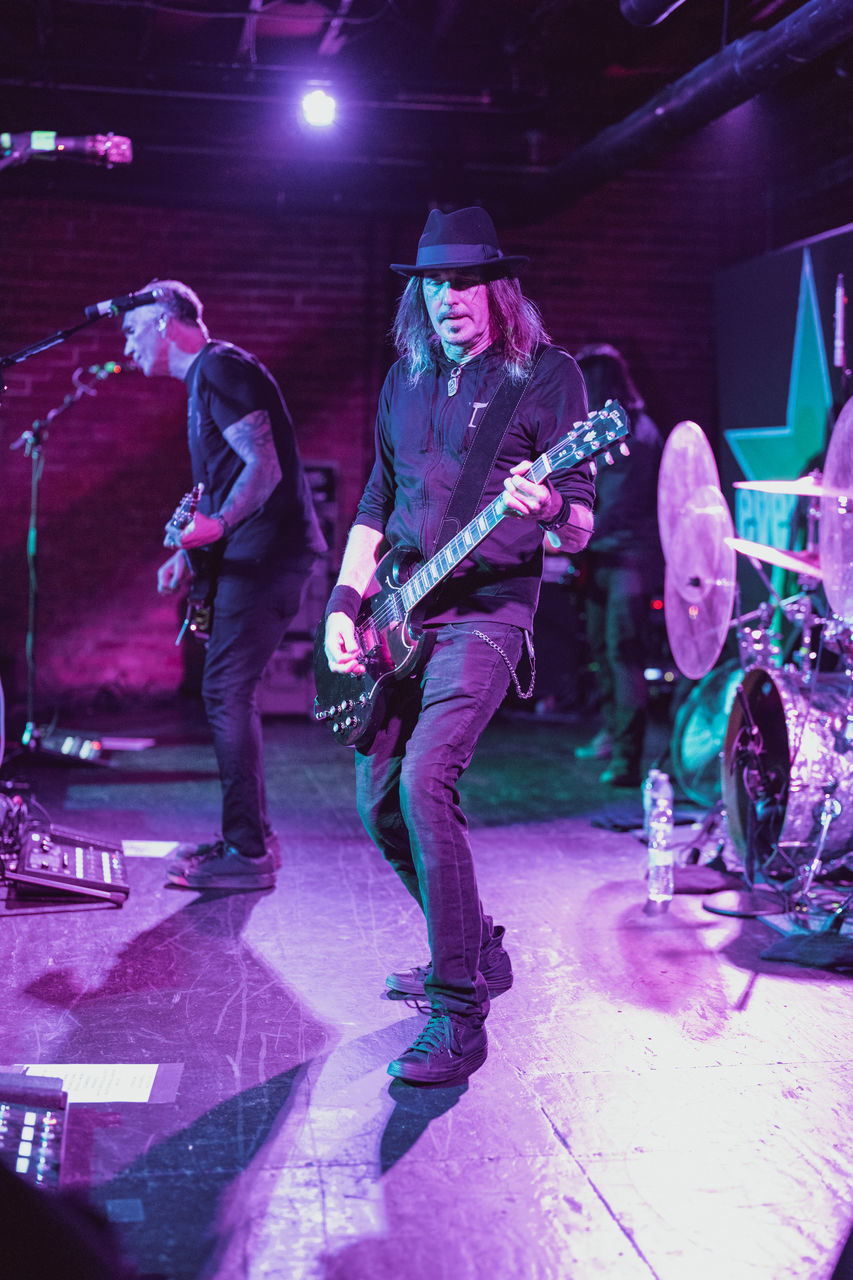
<point>408,797</point>
<point>252,609</point>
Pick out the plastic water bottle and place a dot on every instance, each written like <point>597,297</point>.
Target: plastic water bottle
<point>649,800</point>
<point>660,888</point>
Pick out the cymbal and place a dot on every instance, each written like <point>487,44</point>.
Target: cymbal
<point>835,531</point>
<point>803,487</point>
<point>810,486</point>
<point>687,463</point>
<point>699,586</point>
<point>806,563</point>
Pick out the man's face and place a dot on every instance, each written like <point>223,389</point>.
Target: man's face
<point>145,340</point>
<point>458,306</point>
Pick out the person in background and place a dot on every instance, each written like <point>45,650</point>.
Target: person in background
<point>623,569</point>
<point>256,519</point>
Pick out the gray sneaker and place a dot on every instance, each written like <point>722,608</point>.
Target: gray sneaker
<point>447,1051</point>
<point>495,966</point>
<point>221,866</point>
<point>193,853</point>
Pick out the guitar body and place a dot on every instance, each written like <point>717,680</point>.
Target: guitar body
<point>199,616</point>
<point>204,563</point>
<point>393,648</point>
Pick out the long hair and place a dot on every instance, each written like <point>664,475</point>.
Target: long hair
<point>516,324</point>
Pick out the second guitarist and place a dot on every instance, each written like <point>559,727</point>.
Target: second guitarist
<point>257,516</point>
<point>463,328</point>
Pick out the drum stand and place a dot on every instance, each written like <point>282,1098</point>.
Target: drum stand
<point>831,809</point>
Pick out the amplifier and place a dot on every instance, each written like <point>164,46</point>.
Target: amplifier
<point>65,861</point>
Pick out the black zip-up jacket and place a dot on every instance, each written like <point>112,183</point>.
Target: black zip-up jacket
<point>422,435</point>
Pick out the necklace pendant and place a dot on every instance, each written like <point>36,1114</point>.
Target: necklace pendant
<point>453,382</point>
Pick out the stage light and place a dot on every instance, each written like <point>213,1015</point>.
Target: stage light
<point>318,108</point>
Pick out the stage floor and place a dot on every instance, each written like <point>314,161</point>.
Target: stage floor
<point>658,1101</point>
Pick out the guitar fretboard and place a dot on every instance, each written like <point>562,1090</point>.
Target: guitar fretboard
<point>579,445</point>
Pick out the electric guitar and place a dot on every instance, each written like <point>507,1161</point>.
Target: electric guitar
<point>386,627</point>
<point>204,563</point>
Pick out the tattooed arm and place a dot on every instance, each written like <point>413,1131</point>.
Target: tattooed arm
<point>252,439</point>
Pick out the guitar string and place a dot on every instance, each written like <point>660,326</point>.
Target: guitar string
<point>386,613</point>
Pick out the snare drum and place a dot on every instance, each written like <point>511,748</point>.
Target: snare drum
<point>806,732</point>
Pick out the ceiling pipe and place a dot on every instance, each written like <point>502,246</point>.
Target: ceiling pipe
<point>722,82</point>
<point>647,13</point>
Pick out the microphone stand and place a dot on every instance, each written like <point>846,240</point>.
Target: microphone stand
<point>62,335</point>
<point>32,441</point>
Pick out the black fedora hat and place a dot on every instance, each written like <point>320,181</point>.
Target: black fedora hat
<point>460,240</point>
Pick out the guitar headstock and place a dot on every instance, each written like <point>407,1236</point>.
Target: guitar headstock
<point>594,436</point>
<point>187,507</point>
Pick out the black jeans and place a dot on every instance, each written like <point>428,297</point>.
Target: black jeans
<point>252,610</point>
<point>409,801</point>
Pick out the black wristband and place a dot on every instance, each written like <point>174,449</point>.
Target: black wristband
<point>344,600</point>
<point>559,520</point>
<point>226,528</point>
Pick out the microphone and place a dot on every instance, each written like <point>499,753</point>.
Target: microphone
<point>839,358</point>
<point>98,148</point>
<point>127,302</point>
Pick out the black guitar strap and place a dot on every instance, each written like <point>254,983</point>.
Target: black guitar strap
<point>474,473</point>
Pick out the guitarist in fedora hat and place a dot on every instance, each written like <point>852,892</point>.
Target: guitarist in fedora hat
<point>473,353</point>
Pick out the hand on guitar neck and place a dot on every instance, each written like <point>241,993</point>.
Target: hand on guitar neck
<point>190,528</point>
<point>192,532</point>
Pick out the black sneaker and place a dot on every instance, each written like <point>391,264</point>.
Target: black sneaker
<point>621,775</point>
<point>190,854</point>
<point>221,866</point>
<point>495,966</point>
<point>600,748</point>
<point>447,1051</point>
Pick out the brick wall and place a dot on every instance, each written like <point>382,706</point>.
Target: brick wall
<point>313,298</point>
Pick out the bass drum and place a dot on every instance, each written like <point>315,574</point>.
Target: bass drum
<point>699,731</point>
<point>806,736</point>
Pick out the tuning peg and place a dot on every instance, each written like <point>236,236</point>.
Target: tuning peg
<point>608,458</point>
<point>624,450</point>
<point>593,467</point>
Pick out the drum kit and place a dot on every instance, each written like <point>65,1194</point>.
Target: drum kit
<point>786,763</point>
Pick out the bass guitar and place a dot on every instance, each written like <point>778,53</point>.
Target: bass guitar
<point>204,563</point>
<point>386,627</point>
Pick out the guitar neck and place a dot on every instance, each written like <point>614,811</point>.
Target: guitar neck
<point>582,442</point>
<point>436,569</point>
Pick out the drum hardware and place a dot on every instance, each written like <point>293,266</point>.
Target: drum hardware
<point>836,919</point>
<point>761,784</point>
<point>838,638</point>
<point>825,813</point>
<point>788,771</point>
<point>758,646</point>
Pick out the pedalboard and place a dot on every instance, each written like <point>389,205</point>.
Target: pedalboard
<point>62,861</point>
<point>33,1111</point>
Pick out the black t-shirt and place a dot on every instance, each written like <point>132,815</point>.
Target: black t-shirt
<point>224,384</point>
